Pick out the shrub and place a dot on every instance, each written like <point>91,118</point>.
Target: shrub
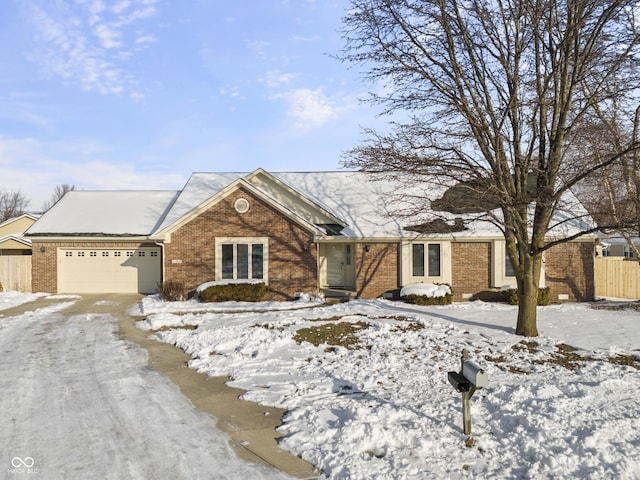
<point>1,289</point>
<point>544,296</point>
<point>427,294</point>
<point>427,300</point>
<point>172,291</point>
<point>234,292</point>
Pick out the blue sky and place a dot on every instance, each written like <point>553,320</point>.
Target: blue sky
<point>137,94</point>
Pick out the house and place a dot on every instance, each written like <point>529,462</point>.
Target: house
<point>15,253</point>
<point>298,232</point>
<point>12,241</point>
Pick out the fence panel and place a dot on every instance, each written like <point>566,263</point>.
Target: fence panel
<point>617,277</point>
<point>15,272</point>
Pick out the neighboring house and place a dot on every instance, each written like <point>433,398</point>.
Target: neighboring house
<point>15,253</point>
<point>616,246</point>
<point>298,232</point>
<point>12,241</point>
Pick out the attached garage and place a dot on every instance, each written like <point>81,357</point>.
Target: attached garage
<point>109,270</point>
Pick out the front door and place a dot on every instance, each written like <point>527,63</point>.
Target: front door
<point>338,265</point>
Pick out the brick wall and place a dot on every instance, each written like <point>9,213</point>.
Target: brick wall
<point>292,253</point>
<point>569,271</point>
<point>471,271</point>
<point>44,265</point>
<point>377,270</point>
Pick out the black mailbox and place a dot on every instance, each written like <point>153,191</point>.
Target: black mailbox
<point>459,382</point>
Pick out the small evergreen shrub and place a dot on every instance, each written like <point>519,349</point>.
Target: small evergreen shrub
<point>544,296</point>
<point>234,292</point>
<point>172,291</point>
<point>427,294</point>
<point>427,300</point>
<point>1,289</point>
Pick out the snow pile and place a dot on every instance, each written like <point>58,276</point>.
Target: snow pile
<point>10,299</point>
<point>426,290</point>
<point>153,304</point>
<point>384,409</point>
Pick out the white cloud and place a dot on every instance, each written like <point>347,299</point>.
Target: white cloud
<point>276,78</point>
<point>87,44</point>
<point>308,108</point>
<point>109,38</point>
<point>35,168</point>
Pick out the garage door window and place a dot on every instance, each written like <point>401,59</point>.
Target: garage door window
<point>241,258</point>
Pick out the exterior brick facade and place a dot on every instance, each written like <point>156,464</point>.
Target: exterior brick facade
<point>44,264</point>
<point>471,271</point>
<point>292,259</point>
<point>377,269</point>
<point>569,269</point>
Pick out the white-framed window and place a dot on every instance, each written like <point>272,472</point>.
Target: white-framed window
<point>242,258</point>
<point>426,261</point>
<point>501,268</point>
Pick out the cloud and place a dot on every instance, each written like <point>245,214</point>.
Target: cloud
<point>308,108</point>
<point>276,78</point>
<point>35,168</point>
<point>86,43</point>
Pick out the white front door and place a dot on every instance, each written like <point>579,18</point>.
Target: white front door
<point>338,265</point>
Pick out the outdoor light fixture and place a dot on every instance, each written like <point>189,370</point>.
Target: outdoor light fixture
<point>43,249</point>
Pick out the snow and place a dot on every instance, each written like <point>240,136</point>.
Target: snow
<point>79,402</point>
<point>382,410</point>
<point>105,212</point>
<point>387,411</point>
<point>425,289</point>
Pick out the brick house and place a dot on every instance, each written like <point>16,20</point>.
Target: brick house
<point>297,232</point>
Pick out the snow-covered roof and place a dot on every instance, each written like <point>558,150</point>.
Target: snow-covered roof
<point>350,202</point>
<point>110,213</point>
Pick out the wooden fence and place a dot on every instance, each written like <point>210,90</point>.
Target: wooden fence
<point>15,272</point>
<point>617,277</point>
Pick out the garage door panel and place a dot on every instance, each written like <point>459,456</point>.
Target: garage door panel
<point>109,270</point>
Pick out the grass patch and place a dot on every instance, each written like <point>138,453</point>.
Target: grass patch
<point>565,356</point>
<point>341,334</point>
<point>175,327</point>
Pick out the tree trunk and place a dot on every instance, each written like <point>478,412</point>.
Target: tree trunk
<point>527,325</point>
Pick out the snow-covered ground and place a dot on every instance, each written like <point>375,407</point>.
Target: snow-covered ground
<point>383,408</point>
<point>78,402</point>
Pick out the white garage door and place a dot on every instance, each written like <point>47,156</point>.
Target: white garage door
<point>91,270</point>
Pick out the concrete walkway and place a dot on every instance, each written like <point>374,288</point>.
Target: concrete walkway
<point>251,427</point>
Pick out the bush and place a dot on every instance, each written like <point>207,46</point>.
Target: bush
<point>172,291</point>
<point>544,296</point>
<point>1,289</point>
<point>234,292</point>
<point>427,294</point>
<point>427,300</point>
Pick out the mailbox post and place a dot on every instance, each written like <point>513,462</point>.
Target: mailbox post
<point>467,381</point>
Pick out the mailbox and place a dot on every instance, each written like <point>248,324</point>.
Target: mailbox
<point>470,378</point>
<point>475,374</point>
<point>458,381</point>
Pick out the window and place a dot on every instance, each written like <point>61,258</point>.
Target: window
<point>117,254</point>
<point>241,258</point>
<point>431,261</point>
<point>105,254</point>
<point>68,254</point>
<point>508,267</point>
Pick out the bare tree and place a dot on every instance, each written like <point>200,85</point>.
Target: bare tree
<point>613,196</point>
<point>495,91</point>
<point>58,193</point>
<point>12,204</point>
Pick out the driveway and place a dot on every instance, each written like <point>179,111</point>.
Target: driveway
<point>79,401</point>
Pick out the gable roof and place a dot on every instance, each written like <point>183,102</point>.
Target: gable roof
<point>345,204</point>
<point>17,225</point>
<point>108,213</point>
